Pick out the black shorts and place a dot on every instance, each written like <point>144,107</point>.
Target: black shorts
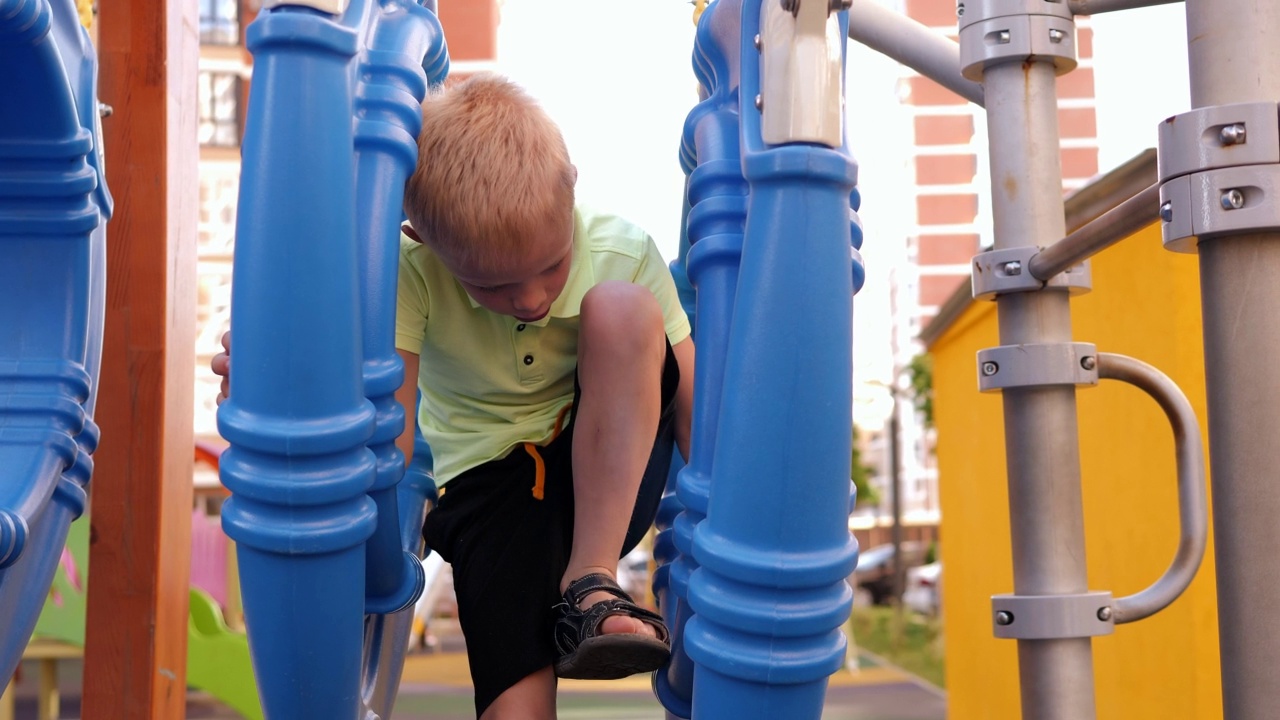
<point>509,550</point>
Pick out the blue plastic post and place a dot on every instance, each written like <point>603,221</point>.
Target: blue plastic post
<point>673,684</point>
<point>774,551</point>
<point>53,211</point>
<point>388,106</point>
<point>717,210</point>
<point>297,418</point>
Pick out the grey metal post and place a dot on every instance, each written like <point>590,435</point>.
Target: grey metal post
<point>895,500</point>
<point>1041,436</point>
<point>1234,58</point>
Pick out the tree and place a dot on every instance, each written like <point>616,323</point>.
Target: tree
<point>920,377</point>
<point>860,474</point>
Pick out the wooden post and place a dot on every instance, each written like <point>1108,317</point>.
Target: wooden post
<point>140,535</point>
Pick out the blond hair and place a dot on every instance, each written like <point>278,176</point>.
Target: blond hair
<point>492,167</point>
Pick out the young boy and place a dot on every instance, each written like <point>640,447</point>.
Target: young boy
<point>555,366</point>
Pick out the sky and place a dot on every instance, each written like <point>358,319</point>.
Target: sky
<point>616,75</point>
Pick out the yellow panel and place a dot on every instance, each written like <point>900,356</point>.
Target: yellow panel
<point>1145,303</point>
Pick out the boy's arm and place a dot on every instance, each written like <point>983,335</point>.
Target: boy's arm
<point>684,395</point>
<point>407,396</point>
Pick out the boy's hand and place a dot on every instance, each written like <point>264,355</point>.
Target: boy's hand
<point>221,365</point>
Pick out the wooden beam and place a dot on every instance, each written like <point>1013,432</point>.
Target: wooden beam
<point>140,533</point>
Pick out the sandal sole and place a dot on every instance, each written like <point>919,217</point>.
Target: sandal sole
<point>613,657</point>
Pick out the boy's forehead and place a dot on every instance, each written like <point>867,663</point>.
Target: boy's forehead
<point>540,253</point>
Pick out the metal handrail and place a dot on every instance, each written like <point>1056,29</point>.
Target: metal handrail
<point>1098,234</point>
<point>1193,513</point>
<point>913,44</point>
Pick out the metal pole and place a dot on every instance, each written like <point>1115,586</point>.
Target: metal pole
<point>1041,437</point>
<point>1097,235</point>
<point>1093,7</point>
<point>895,501</point>
<point>908,41</point>
<point>1234,58</point>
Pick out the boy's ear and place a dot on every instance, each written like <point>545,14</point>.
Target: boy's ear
<point>407,229</point>
<point>574,170</point>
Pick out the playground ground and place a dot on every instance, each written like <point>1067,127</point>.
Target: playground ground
<point>436,687</point>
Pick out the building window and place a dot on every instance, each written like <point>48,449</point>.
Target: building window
<point>220,22</point>
<point>219,109</point>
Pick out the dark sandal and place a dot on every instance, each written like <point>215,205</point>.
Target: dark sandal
<point>586,653</point>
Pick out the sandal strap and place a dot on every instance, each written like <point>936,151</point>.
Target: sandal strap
<point>576,625</point>
<point>593,582</point>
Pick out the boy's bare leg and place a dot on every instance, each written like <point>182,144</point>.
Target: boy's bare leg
<point>621,349</point>
<point>533,698</point>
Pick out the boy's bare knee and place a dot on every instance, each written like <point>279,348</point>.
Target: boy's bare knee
<point>532,698</point>
<point>622,315</point>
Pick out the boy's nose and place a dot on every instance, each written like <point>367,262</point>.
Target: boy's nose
<point>528,299</point>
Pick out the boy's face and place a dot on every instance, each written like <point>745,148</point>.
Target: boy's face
<point>527,286</point>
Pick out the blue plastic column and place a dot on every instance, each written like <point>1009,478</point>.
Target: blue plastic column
<point>53,211</point>
<point>774,551</point>
<point>717,210</point>
<point>392,83</point>
<point>297,419</point>
<point>673,684</point>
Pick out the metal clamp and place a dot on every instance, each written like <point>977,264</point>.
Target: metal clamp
<point>1216,137</point>
<point>1219,202</point>
<point>1047,365</point>
<point>1219,173</point>
<point>1004,30</point>
<point>800,74</point>
<point>333,7</point>
<point>997,272</point>
<point>1049,617</point>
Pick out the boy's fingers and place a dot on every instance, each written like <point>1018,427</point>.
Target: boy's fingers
<point>226,340</point>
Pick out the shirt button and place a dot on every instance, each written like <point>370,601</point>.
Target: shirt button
<point>520,327</point>
<point>528,359</point>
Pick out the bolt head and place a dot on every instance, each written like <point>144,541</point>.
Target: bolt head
<point>1013,267</point>
<point>1004,617</point>
<point>1003,37</point>
<point>990,368</point>
<point>1233,134</point>
<point>759,43</point>
<point>1056,36</point>
<point>1232,199</point>
<point>759,102</point>
<point>1166,211</point>
<point>1105,613</point>
<point>1088,362</point>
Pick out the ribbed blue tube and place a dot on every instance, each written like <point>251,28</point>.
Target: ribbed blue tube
<point>673,685</point>
<point>392,84</point>
<point>297,418</point>
<point>716,196</point>
<point>769,595</point>
<point>53,210</point>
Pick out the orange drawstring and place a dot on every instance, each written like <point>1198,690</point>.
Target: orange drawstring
<point>539,471</point>
<point>539,466</point>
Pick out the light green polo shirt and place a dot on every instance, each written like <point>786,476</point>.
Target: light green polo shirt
<point>490,382</point>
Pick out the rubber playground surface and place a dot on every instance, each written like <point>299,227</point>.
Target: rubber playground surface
<point>436,687</point>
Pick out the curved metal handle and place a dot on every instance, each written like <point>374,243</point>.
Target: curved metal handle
<point>1193,514</point>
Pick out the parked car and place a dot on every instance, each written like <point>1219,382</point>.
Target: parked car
<point>923,592</point>
<point>874,573</point>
